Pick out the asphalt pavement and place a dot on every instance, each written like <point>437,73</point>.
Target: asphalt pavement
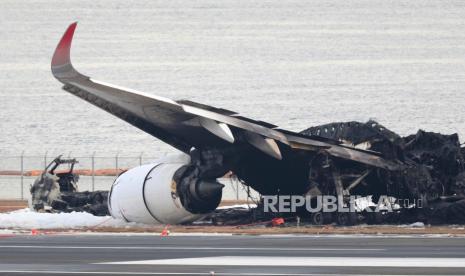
<point>230,255</point>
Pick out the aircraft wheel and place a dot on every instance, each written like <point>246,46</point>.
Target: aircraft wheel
<point>346,218</point>
<point>318,218</point>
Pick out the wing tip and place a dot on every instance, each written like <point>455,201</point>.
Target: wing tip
<point>62,52</point>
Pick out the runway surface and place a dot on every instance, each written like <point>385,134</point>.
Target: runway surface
<point>230,255</point>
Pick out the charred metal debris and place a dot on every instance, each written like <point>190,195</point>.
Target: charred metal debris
<point>431,171</point>
<point>56,191</point>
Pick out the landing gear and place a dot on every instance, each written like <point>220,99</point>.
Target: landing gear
<point>318,218</point>
<point>343,218</point>
<point>346,218</point>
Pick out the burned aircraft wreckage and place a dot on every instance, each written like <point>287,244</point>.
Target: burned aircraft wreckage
<point>336,159</point>
<point>57,190</point>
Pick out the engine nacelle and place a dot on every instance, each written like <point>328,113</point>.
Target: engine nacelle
<point>149,193</point>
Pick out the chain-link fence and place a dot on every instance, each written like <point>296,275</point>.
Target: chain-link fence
<point>97,172</point>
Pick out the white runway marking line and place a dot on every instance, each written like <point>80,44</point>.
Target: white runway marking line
<point>304,261</point>
<point>186,273</point>
<point>190,248</point>
<point>160,273</point>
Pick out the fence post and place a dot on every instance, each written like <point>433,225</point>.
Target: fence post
<point>69,157</point>
<point>116,162</point>
<point>22,175</point>
<point>45,159</point>
<point>93,171</point>
<point>140,158</point>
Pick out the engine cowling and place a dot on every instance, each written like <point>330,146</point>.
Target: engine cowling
<point>152,194</point>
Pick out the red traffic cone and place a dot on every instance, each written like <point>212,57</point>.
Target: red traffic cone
<point>165,232</point>
<point>277,222</point>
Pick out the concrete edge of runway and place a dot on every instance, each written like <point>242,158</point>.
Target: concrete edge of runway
<point>11,233</point>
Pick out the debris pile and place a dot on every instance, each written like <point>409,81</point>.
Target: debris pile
<point>432,168</point>
<point>57,192</point>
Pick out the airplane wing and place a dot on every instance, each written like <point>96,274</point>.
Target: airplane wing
<point>185,124</point>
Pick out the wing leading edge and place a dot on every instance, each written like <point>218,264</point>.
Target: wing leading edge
<point>185,124</point>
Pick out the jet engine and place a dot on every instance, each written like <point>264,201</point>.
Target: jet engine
<point>165,191</point>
